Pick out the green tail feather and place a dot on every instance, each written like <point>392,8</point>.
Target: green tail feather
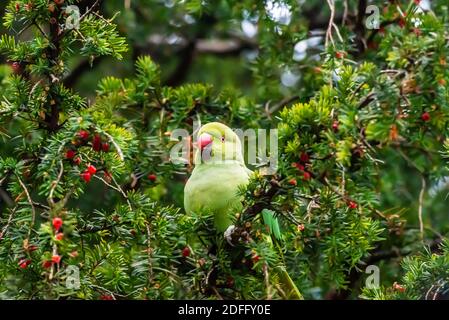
<point>272,222</point>
<point>289,286</point>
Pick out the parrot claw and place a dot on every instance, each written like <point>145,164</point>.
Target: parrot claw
<point>228,234</point>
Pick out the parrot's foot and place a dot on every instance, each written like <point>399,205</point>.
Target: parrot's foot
<point>228,234</point>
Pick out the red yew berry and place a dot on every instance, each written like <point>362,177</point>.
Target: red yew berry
<point>70,154</point>
<point>335,125</point>
<point>105,147</point>
<point>298,166</point>
<point>292,182</point>
<point>23,264</point>
<point>17,7</point>
<point>77,161</point>
<point>425,116</point>
<point>186,252</point>
<point>86,176</point>
<point>32,248</point>
<point>300,227</point>
<point>304,157</point>
<point>56,258</point>
<point>230,282</point>
<point>59,236</point>
<point>73,254</point>
<point>59,2</point>
<point>91,169</point>
<point>106,297</point>
<point>401,22</point>
<point>339,55</point>
<point>46,264</point>
<point>96,143</point>
<point>255,258</point>
<point>16,67</point>
<point>417,2</point>
<point>307,175</point>
<point>83,134</point>
<point>398,287</point>
<point>352,205</point>
<point>57,223</point>
<point>152,177</point>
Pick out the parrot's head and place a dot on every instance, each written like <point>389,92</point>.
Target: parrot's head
<point>218,143</point>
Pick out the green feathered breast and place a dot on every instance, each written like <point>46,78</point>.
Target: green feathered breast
<point>213,187</point>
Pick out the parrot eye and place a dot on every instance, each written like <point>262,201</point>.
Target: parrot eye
<point>222,139</point>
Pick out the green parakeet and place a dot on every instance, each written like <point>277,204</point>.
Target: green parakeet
<point>219,171</point>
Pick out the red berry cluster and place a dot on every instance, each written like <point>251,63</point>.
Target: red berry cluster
<point>82,139</point>
<point>304,160</point>
<point>88,173</point>
<point>24,263</point>
<point>98,145</point>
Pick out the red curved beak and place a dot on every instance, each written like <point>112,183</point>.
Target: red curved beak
<point>204,140</point>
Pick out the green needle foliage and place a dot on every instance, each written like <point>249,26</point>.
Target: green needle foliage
<point>91,202</point>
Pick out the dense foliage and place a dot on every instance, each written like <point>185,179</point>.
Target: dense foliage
<point>88,190</point>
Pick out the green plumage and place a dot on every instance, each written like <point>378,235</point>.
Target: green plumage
<point>213,187</point>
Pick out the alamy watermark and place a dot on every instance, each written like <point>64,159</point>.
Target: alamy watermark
<point>373,20</point>
<point>256,147</point>
<point>373,280</point>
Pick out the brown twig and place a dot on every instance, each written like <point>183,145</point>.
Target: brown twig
<point>33,209</point>
<point>420,207</point>
<point>8,223</point>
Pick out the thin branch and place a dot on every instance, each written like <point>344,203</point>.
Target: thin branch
<point>41,30</point>
<point>89,10</point>
<point>117,147</point>
<point>5,228</point>
<point>420,208</point>
<point>267,281</point>
<point>33,209</point>
<point>269,111</point>
<point>54,184</point>
<point>331,23</point>
<point>122,192</point>
<point>149,251</point>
